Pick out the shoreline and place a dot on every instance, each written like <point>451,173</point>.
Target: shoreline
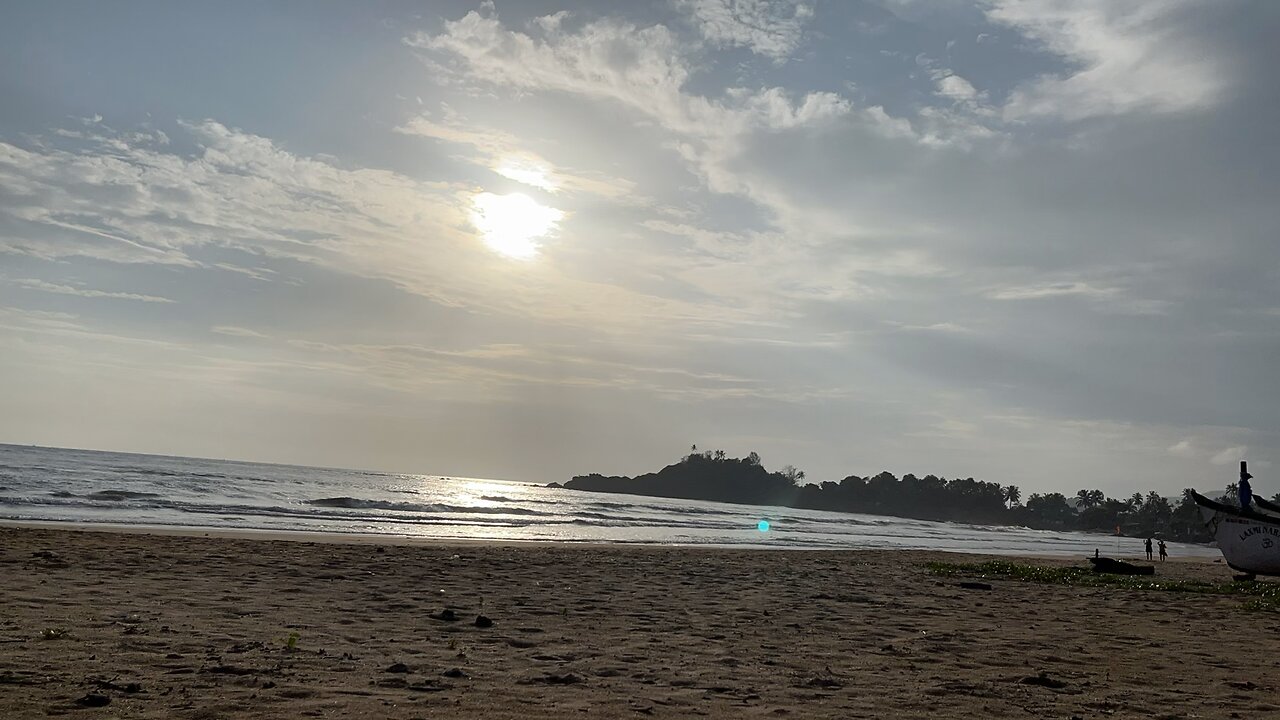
<point>388,539</point>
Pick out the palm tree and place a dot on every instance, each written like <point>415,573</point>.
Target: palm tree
<point>1086,499</point>
<point>1012,495</point>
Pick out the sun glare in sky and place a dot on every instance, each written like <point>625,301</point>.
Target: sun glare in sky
<point>512,224</point>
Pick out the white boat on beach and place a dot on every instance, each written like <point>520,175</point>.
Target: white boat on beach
<point>1249,539</point>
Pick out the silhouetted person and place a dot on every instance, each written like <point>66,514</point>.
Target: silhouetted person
<point>1148,548</point>
<point>1164,551</point>
<point>1246,492</point>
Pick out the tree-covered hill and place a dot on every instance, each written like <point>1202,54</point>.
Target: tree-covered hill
<point>712,475</point>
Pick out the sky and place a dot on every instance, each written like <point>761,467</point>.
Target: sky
<point>1028,241</point>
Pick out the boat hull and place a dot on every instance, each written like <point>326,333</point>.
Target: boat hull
<point>1249,543</point>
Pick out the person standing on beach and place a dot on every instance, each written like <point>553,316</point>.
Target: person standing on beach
<point>1164,551</point>
<point>1148,548</point>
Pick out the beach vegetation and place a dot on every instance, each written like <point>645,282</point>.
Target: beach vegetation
<point>1263,596</point>
<point>54,633</point>
<point>714,475</point>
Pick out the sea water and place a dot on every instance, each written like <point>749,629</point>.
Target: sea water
<point>63,485</point>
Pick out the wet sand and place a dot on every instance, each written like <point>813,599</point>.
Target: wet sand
<point>167,626</point>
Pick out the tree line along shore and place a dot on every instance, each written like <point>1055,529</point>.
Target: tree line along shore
<point>712,475</point>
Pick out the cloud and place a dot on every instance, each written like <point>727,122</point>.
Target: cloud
<point>506,155</point>
<point>243,193</point>
<point>502,369</point>
<point>128,203</point>
<point>1184,448</point>
<point>235,331</point>
<point>1049,290</point>
<point>65,327</point>
<point>452,128</point>
<point>772,28</point>
<point>257,273</point>
<point>116,200</point>
<point>1112,300</point>
<point>24,318</point>
<point>1230,455</point>
<point>1124,57</point>
<point>85,292</point>
<point>956,88</point>
<point>643,68</point>
<point>940,327</point>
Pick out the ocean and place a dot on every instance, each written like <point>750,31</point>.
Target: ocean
<point>86,486</point>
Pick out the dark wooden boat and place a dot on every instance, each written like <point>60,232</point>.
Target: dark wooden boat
<point>1267,506</point>
<point>1120,567</point>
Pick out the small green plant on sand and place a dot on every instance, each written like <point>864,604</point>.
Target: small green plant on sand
<point>52,633</point>
<point>291,642</point>
<point>1261,595</point>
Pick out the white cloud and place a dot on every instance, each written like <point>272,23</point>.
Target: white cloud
<point>43,286</point>
<point>15,318</point>
<point>941,327</point>
<point>1106,299</point>
<point>145,205</point>
<point>1048,290</point>
<point>644,68</point>
<point>772,28</point>
<point>551,23</point>
<point>243,192</point>
<point>1125,57</point>
<point>452,128</point>
<point>259,273</point>
<point>1230,455</point>
<point>506,155</point>
<point>1184,448</point>
<point>235,331</point>
<point>956,88</point>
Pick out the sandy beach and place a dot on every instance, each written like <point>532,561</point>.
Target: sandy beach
<point>170,626</point>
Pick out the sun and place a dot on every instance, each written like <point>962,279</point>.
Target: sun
<point>511,224</point>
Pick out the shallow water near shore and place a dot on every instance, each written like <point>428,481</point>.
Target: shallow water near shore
<point>51,484</point>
